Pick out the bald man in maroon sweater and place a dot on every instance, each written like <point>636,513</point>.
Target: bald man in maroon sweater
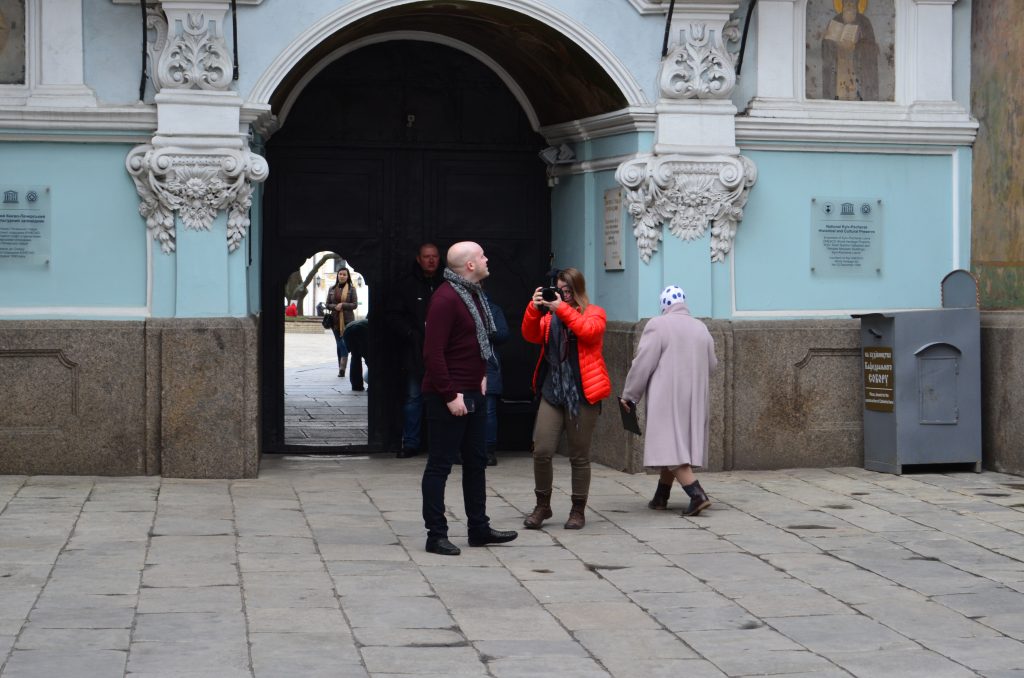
<point>455,352</point>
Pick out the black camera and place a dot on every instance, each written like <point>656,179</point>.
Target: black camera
<point>548,293</point>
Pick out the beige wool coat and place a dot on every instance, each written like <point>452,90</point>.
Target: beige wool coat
<point>672,368</point>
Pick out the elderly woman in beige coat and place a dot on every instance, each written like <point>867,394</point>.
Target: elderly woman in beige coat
<point>672,367</point>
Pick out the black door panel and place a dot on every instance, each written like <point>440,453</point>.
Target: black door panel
<point>353,173</point>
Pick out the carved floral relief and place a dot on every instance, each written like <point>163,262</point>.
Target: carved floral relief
<point>196,186</point>
<point>189,54</point>
<point>690,194</point>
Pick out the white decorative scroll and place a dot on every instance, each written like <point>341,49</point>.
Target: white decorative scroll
<point>197,184</point>
<point>691,193</point>
<point>699,68</point>
<point>189,51</point>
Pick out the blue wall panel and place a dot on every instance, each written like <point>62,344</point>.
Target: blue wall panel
<point>98,239</point>
<point>772,249</point>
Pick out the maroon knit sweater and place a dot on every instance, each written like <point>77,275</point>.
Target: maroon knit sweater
<point>451,353</point>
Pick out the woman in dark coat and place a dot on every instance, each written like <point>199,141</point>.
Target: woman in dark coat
<point>342,299</point>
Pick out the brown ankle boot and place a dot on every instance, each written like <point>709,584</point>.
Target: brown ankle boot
<point>541,512</point>
<point>576,517</point>
<point>660,501</point>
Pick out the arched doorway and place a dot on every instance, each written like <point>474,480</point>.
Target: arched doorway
<point>392,145</point>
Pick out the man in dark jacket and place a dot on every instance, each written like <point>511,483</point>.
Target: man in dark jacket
<point>405,315</point>
<point>455,352</point>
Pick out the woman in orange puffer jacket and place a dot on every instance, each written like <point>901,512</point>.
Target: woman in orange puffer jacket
<point>571,379</point>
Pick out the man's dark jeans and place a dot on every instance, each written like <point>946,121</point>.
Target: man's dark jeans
<point>450,437</point>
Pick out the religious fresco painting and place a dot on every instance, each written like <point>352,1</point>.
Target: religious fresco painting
<point>851,50</point>
<point>12,42</point>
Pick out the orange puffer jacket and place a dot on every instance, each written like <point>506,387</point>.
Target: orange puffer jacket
<point>588,327</point>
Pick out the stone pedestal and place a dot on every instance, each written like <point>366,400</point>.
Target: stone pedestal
<point>178,398</point>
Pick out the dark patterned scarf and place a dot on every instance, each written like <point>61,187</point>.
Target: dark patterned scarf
<point>484,325</point>
<point>563,381</point>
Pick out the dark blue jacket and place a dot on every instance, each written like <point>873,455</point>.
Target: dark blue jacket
<point>502,334</point>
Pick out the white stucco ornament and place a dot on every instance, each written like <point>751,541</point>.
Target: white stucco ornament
<point>690,193</point>
<point>696,180</point>
<point>699,68</point>
<point>196,184</point>
<point>189,51</point>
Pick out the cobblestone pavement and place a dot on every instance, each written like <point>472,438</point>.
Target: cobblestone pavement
<point>320,407</point>
<point>317,568</point>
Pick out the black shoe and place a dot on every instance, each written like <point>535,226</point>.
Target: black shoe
<point>407,452</point>
<point>358,388</point>
<point>442,547</point>
<point>491,459</point>
<point>493,536</point>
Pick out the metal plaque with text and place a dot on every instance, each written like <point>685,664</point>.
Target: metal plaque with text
<point>846,236</point>
<point>24,225</point>
<point>613,230</point>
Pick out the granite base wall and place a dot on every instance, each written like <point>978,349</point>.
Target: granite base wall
<point>172,397</point>
<point>1002,391</point>
<point>789,394</point>
<point>179,397</point>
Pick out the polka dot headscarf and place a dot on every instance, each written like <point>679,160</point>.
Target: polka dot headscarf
<point>671,295</point>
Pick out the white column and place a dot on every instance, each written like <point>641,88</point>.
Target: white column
<point>198,165</point>
<point>934,57</point>
<point>696,182</point>
<point>776,56</point>
<point>59,78</point>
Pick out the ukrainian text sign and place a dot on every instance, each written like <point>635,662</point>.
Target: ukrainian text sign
<point>24,225</point>
<point>846,236</point>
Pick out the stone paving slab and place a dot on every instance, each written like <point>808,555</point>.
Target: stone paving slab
<point>317,568</point>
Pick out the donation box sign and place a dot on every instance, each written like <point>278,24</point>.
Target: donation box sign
<point>878,379</point>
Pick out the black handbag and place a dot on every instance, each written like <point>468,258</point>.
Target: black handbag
<point>327,321</point>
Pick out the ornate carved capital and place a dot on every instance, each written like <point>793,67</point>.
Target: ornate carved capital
<point>701,67</point>
<point>189,51</point>
<point>197,184</point>
<point>691,193</point>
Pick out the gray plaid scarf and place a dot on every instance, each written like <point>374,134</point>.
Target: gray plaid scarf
<point>484,326</point>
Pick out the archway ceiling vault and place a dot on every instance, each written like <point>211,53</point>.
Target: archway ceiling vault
<point>562,81</point>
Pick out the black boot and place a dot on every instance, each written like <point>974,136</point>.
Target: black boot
<point>660,501</point>
<point>492,459</point>
<point>698,499</point>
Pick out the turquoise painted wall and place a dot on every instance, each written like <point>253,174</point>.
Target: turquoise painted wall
<point>99,244</point>
<point>770,262</point>
<point>772,249</point>
<point>98,239</point>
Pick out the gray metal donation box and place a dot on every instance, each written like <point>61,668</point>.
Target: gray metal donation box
<point>922,382</point>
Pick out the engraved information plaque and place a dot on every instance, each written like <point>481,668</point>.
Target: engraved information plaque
<point>846,236</point>
<point>613,230</point>
<point>878,379</point>
<point>24,225</point>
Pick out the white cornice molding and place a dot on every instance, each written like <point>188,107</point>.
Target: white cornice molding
<point>134,124</point>
<point>156,2</point>
<point>316,34</point>
<point>599,165</point>
<point>625,121</point>
<point>927,123</point>
<point>650,6</point>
